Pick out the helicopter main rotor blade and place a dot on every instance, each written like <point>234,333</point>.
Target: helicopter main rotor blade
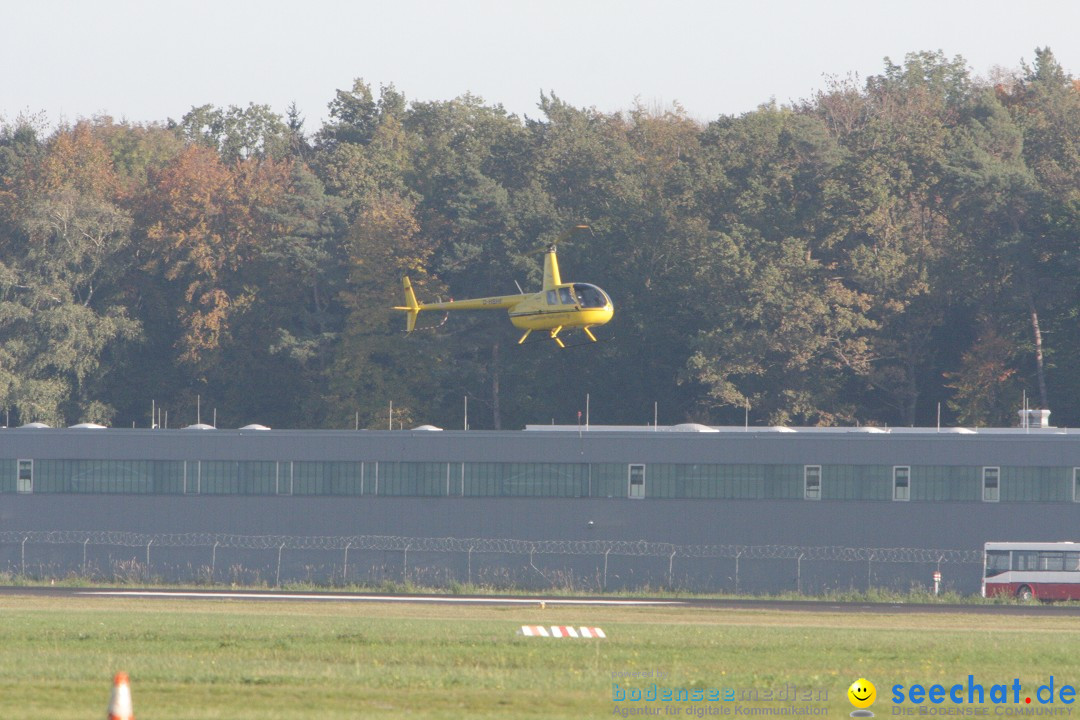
<point>563,237</point>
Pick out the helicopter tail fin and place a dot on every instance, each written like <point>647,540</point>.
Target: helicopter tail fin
<point>411,307</point>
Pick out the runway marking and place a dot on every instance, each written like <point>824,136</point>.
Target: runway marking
<point>369,598</point>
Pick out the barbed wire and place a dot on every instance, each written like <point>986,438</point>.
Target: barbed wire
<point>394,543</point>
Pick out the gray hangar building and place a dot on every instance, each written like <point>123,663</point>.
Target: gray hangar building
<point>688,507</point>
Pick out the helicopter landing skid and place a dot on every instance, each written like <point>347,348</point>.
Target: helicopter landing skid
<point>544,339</point>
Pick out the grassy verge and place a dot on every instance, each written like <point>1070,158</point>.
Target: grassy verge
<point>874,595</point>
<point>238,660</point>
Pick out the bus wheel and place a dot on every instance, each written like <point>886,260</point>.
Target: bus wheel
<point>1024,594</point>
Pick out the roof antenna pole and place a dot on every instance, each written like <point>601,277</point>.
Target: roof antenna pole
<point>1026,423</point>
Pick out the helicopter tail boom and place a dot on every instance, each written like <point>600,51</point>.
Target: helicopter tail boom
<point>412,307</point>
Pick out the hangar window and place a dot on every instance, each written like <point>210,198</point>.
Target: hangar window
<point>901,482</point>
<point>991,484</point>
<point>192,477</point>
<point>812,482</point>
<point>25,477</point>
<point>285,479</point>
<point>637,482</point>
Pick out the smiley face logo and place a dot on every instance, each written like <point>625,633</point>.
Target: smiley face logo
<point>862,693</point>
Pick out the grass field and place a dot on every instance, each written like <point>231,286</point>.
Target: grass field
<point>237,659</point>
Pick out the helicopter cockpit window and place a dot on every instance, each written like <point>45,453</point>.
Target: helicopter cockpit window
<point>590,296</point>
<point>565,296</point>
<point>552,298</point>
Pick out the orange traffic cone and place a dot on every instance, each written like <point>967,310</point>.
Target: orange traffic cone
<point>120,702</point>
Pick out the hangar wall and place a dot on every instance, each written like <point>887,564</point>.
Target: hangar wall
<point>1035,474</point>
<point>848,524</point>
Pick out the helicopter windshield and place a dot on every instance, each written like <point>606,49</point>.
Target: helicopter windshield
<point>590,296</point>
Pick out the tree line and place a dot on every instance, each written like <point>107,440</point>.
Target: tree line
<point>878,253</point>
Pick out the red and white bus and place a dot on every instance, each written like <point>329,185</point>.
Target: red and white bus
<point>1026,570</point>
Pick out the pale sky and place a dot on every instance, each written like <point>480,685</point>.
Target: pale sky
<point>146,60</point>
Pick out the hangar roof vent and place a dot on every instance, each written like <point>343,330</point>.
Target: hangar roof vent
<point>692,427</point>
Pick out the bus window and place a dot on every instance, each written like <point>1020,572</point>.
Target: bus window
<point>1025,560</point>
<point>997,562</point>
<point>1072,561</point>
<point>1051,561</point>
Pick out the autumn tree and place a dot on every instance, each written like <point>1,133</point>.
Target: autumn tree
<point>201,224</point>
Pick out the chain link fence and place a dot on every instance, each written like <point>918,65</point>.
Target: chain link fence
<point>588,565</point>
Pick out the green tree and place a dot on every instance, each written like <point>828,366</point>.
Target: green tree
<point>787,333</point>
<point>65,244</point>
<point>288,335</point>
<point>1044,103</point>
<point>238,133</point>
<point>893,240</point>
<point>996,203</point>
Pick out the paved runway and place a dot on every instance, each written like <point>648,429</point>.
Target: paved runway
<point>1035,610</point>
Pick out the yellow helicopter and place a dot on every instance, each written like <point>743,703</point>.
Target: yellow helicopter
<point>558,306</point>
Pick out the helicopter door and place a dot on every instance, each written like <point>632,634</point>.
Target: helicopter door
<point>566,297</point>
